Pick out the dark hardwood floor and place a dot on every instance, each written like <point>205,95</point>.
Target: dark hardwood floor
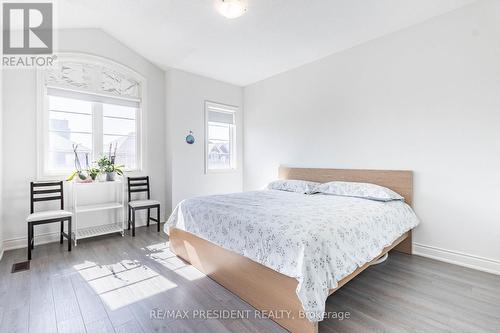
<point>113,284</point>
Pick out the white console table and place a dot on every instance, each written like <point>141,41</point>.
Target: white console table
<point>117,203</point>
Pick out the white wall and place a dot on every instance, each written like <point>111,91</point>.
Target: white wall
<point>1,167</point>
<point>19,130</point>
<point>425,99</point>
<point>185,98</point>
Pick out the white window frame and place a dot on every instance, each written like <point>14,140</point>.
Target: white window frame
<point>43,172</point>
<point>229,109</point>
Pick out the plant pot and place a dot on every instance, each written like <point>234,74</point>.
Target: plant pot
<point>110,176</point>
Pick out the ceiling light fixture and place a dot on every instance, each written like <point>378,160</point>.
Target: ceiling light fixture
<point>231,8</point>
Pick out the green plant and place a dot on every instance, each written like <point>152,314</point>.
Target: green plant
<point>115,168</point>
<point>103,163</point>
<point>106,165</point>
<point>93,172</point>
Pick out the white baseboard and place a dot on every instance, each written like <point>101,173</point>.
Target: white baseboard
<point>457,258</point>
<point>51,237</point>
<point>20,242</point>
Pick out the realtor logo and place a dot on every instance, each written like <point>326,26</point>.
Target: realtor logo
<point>27,28</point>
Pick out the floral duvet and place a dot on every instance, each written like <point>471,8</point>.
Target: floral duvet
<point>317,239</point>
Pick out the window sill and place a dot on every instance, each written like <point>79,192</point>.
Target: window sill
<point>221,171</point>
<point>63,175</point>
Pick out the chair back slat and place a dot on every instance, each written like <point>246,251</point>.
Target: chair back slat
<point>37,195</point>
<point>46,191</point>
<point>47,198</point>
<point>134,179</point>
<point>138,190</point>
<point>45,184</point>
<point>138,184</point>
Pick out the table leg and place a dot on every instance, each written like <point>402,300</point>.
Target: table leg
<point>69,234</point>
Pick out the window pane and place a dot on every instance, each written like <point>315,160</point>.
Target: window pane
<point>61,156</point>
<point>76,122</point>
<point>70,105</point>
<point>70,122</point>
<point>219,146</point>
<point>64,161</point>
<point>125,149</point>
<point>218,131</point>
<point>111,110</point>
<point>220,117</point>
<point>219,155</point>
<point>63,141</point>
<point>119,131</point>
<point>118,126</point>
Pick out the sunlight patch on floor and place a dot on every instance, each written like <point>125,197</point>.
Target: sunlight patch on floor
<point>123,283</point>
<point>96,271</point>
<point>161,253</point>
<point>190,273</point>
<point>164,256</point>
<point>158,247</point>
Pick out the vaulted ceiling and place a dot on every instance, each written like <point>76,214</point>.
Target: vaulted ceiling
<point>272,37</point>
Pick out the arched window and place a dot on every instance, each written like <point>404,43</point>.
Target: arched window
<point>91,102</point>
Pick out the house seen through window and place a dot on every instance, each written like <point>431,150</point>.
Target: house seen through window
<point>220,137</point>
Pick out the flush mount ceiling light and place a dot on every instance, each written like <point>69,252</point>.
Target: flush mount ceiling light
<point>231,8</point>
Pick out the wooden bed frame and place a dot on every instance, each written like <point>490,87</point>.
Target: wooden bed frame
<point>264,288</point>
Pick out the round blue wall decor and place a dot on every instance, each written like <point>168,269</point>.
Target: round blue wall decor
<point>190,138</point>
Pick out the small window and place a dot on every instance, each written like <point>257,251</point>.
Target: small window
<point>220,148</point>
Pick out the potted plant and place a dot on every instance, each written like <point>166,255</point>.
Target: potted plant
<point>107,166</point>
<point>82,177</point>
<point>112,170</point>
<point>93,172</point>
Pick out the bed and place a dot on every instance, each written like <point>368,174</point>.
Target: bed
<point>285,252</point>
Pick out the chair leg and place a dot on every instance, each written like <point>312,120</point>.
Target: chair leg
<point>128,222</point>
<point>149,216</point>
<point>61,233</point>
<point>69,234</point>
<point>29,241</point>
<point>158,217</point>
<point>133,222</point>
<point>32,236</point>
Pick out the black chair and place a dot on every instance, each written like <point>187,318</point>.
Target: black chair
<point>137,185</point>
<point>47,191</point>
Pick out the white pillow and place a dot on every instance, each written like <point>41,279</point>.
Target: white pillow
<point>298,186</point>
<point>359,190</point>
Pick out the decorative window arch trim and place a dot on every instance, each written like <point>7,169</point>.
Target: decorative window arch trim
<point>95,75</point>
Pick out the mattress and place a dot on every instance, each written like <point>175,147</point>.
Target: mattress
<point>317,239</point>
